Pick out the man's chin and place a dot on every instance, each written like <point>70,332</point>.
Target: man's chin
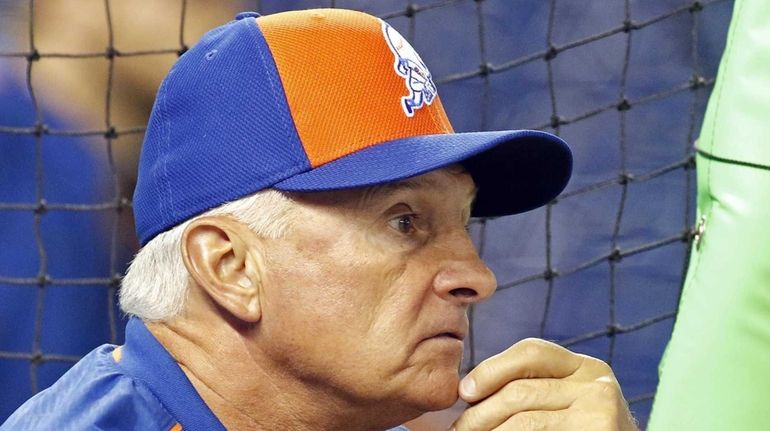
<point>436,393</point>
<point>445,401</point>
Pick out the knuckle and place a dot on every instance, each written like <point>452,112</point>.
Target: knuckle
<point>595,366</point>
<point>605,387</point>
<point>533,343</point>
<point>486,371</point>
<point>600,366</point>
<point>606,394</point>
<point>605,406</point>
<point>612,404</point>
<point>530,348</point>
<point>520,393</point>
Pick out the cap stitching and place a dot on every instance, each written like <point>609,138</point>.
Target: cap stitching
<point>273,85</point>
<point>166,139</point>
<point>433,116</point>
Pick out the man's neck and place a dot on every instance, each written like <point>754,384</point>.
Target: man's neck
<point>246,394</point>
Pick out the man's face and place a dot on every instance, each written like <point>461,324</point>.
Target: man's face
<point>367,294</point>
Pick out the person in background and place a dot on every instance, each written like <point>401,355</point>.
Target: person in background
<point>71,95</point>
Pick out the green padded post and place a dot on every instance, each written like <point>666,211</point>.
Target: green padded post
<point>715,374</point>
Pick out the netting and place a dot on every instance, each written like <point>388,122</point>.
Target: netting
<point>598,270</point>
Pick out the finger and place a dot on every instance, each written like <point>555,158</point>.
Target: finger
<point>592,369</point>
<point>520,396</point>
<point>567,419</point>
<point>602,402</point>
<point>541,421</point>
<point>530,358</point>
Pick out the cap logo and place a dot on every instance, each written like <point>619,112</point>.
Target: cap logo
<point>409,65</point>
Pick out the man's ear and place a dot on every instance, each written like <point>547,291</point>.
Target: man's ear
<point>217,255</point>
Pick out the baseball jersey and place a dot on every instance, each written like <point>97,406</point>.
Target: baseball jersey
<point>137,387</point>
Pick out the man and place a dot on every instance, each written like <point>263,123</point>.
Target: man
<point>305,263</point>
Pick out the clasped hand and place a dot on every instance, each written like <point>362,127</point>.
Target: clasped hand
<point>538,385</point>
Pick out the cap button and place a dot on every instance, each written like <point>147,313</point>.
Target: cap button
<point>243,15</point>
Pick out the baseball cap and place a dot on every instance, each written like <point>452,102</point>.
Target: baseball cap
<point>317,100</point>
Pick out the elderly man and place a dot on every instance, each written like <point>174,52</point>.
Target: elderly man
<point>305,262</point>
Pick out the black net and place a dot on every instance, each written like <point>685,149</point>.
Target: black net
<point>598,270</point>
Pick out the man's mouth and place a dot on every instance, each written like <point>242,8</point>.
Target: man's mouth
<point>449,329</point>
<point>454,335</point>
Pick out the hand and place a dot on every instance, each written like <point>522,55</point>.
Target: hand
<point>537,385</point>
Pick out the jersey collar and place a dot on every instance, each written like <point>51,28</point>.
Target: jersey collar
<point>145,359</point>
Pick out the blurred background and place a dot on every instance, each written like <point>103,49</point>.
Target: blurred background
<point>625,82</point>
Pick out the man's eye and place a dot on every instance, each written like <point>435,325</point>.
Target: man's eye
<point>404,223</point>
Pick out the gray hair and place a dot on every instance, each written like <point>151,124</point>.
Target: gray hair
<point>157,283</point>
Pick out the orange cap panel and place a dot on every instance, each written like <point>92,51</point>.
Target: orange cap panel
<point>342,88</point>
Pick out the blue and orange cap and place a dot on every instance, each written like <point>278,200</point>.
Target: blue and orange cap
<point>318,100</point>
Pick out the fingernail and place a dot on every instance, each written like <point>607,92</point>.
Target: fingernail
<point>468,386</point>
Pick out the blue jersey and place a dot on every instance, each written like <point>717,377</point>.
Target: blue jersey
<point>140,387</point>
<point>143,388</point>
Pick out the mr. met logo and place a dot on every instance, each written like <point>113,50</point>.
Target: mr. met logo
<point>410,66</point>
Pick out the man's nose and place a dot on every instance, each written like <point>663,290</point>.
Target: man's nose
<point>462,276</point>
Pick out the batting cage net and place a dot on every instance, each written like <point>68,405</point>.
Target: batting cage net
<point>598,270</point>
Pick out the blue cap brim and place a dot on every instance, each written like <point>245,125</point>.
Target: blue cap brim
<point>514,171</point>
